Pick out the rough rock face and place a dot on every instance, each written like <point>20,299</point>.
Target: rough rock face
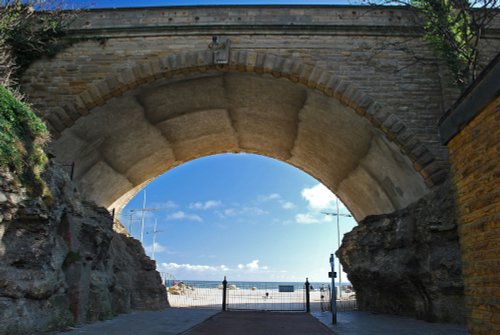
<point>61,262</point>
<point>408,262</point>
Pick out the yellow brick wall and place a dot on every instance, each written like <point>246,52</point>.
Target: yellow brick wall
<point>475,157</point>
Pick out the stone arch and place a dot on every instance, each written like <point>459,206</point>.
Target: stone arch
<point>314,76</point>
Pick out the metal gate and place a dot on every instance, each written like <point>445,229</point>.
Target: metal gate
<point>248,296</point>
<point>264,296</point>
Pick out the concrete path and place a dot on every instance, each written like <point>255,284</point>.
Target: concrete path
<point>170,321</point>
<point>191,322</point>
<point>365,323</point>
<point>261,323</point>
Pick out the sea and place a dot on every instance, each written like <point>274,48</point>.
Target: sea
<point>250,284</point>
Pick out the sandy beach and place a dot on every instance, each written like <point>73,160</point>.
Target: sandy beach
<point>250,299</point>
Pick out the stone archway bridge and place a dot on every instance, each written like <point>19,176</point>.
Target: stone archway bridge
<point>350,95</point>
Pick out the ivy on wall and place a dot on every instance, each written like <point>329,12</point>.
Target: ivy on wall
<point>454,28</point>
<point>29,30</point>
<point>22,136</point>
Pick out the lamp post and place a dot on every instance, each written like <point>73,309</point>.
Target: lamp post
<point>154,232</point>
<point>143,211</point>
<point>338,239</point>
<point>131,219</point>
<point>334,292</point>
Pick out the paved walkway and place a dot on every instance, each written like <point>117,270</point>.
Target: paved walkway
<point>365,323</point>
<point>187,321</point>
<point>170,321</point>
<point>261,323</point>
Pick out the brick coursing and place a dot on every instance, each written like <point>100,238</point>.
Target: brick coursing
<point>474,154</point>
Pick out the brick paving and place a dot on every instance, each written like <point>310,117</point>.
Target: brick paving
<point>261,323</point>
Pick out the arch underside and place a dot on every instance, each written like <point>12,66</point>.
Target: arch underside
<point>122,145</point>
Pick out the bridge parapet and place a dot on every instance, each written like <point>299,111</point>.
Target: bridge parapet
<point>315,18</point>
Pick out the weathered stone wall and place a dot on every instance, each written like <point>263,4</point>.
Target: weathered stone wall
<point>408,262</point>
<point>61,262</point>
<point>475,153</point>
<point>375,50</point>
<point>368,60</point>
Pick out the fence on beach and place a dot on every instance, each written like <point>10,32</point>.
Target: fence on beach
<point>267,297</point>
<point>194,294</point>
<point>261,296</point>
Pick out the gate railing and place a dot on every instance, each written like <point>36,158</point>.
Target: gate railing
<point>344,304</point>
<point>266,297</point>
<point>261,296</point>
<point>194,294</point>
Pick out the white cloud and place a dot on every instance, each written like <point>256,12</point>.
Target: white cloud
<point>180,215</point>
<point>312,218</point>
<point>252,266</point>
<point>277,198</point>
<point>230,212</point>
<point>306,218</point>
<point>166,205</point>
<point>253,211</point>
<point>269,197</point>
<point>192,268</point>
<point>205,205</point>
<point>158,248</point>
<point>320,200</point>
<point>319,197</point>
<point>135,214</point>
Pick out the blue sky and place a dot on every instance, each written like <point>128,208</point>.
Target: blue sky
<point>245,216</point>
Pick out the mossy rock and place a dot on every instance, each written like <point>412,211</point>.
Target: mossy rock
<point>22,137</point>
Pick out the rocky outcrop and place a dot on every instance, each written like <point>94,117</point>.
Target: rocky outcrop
<point>62,263</point>
<point>408,262</point>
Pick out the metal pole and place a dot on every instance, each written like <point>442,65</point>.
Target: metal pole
<point>142,216</point>
<point>224,291</point>
<point>308,297</point>
<point>130,224</point>
<point>338,246</point>
<point>154,240</point>
<point>334,292</point>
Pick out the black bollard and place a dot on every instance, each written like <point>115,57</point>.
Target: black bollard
<point>224,292</point>
<point>308,298</point>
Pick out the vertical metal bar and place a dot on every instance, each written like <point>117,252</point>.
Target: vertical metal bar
<point>154,240</point>
<point>338,246</point>
<point>224,292</point>
<point>142,217</point>
<point>308,296</point>
<point>130,223</point>
<point>334,292</point>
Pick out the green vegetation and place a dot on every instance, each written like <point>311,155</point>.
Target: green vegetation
<point>22,136</point>
<point>454,27</point>
<point>28,30</point>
